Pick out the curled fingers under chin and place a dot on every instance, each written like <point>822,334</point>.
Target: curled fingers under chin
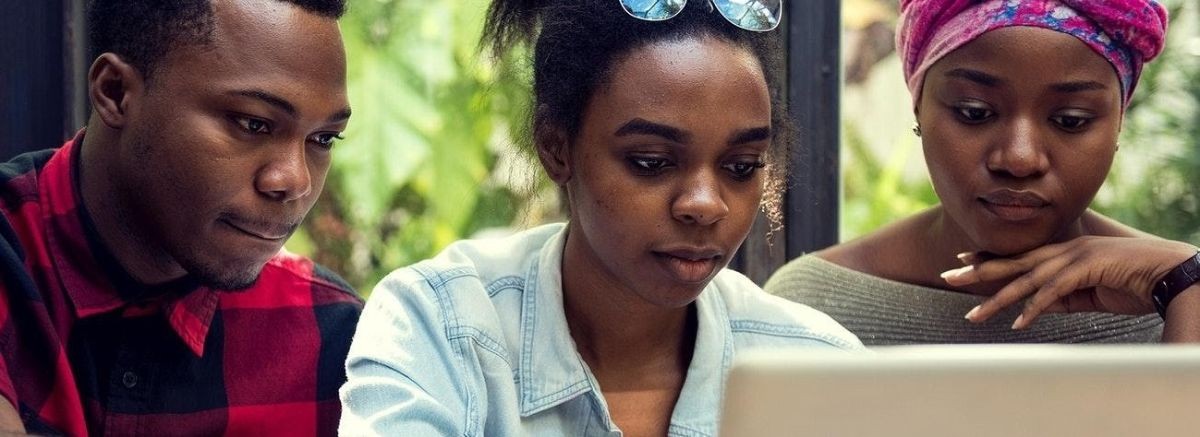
<point>1012,293</point>
<point>1048,274</point>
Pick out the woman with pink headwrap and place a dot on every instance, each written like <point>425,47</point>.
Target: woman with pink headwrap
<point>1018,104</point>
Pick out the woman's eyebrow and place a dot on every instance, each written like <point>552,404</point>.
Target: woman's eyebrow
<point>640,126</point>
<point>976,76</point>
<point>750,135</point>
<point>1078,86</point>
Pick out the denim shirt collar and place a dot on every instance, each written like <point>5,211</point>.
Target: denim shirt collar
<point>552,372</point>
<point>700,401</point>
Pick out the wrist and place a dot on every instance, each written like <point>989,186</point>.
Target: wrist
<point>1182,322</point>
<point>1186,303</point>
<point>1180,281</point>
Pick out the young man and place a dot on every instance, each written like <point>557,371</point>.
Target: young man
<point>144,287</point>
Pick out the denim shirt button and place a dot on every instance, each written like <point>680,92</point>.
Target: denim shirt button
<point>129,379</point>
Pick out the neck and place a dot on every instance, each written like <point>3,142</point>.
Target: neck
<point>614,329</point>
<point>110,209</point>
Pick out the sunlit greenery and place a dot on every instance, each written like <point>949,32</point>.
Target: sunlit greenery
<point>427,158</point>
<point>1157,188</point>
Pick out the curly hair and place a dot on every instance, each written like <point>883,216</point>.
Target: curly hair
<point>576,43</point>
<point>143,31</point>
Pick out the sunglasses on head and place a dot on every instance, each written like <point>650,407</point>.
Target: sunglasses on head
<point>755,15</point>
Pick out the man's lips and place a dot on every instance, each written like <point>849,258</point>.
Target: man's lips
<point>264,230</point>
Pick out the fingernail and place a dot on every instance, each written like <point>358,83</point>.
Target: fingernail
<point>971,314</point>
<point>964,255</point>
<point>957,272</point>
<point>1017,323</point>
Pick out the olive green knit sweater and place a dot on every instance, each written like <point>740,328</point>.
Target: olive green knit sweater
<point>885,312</point>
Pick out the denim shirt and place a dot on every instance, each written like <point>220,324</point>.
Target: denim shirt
<point>475,342</point>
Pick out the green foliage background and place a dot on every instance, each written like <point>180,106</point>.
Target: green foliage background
<point>1158,187</point>
<point>427,157</point>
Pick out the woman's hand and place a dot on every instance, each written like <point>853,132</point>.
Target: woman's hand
<point>1104,274</point>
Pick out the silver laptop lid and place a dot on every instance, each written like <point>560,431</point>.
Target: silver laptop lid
<point>993,390</point>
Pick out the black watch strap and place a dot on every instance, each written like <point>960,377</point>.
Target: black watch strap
<point>1178,279</point>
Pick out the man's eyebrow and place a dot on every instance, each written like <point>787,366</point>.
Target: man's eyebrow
<point>976,76</point>
<point>639,126</point>
<point>750,135</point>
<point>286,106</point>
<point>270,99</point>
<point>1078,86</point>
<point>340,116</point>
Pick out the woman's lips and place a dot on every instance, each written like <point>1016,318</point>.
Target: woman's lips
<point>691,266</point>
<point>1014,206</point>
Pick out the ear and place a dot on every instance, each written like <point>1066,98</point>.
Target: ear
<point>112,84</point>
<point>553,152</point>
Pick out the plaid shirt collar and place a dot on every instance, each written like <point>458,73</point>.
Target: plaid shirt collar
<point>91,276</point>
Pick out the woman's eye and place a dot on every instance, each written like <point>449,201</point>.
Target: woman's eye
<point>326,140</point>
<point>648,165</point>
<point>744,169</point>
<point>974,114</point>
<point>1070,122</point>
<point>253,125</point>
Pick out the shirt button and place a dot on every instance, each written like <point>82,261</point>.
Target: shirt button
<point>130,379</point>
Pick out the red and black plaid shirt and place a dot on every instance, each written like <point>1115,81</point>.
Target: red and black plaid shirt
<point>81,353</point>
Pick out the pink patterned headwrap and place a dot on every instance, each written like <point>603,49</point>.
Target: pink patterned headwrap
<point>1128,33</point>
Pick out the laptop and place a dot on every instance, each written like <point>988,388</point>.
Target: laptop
<point>977,390</point>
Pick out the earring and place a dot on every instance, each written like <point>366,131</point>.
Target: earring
<point>916,129</point>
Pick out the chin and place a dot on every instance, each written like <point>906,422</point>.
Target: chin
<point>1004,246</point>
<point>675,296</point>
<point>1008,239</point>
<point>229,284</point>
<point>227,277</point>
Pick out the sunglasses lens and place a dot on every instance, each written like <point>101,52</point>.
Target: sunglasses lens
<point>756,15</point>
<point>653,10</point>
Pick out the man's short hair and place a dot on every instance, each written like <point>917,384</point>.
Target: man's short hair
<point>142,31</point>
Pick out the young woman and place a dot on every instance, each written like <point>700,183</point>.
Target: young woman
<point>664,136</point>
<point>1019,104</point>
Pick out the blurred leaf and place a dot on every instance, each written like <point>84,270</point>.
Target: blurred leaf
<point>431,118</point>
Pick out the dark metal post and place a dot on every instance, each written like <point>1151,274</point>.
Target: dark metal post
<point>42,98</point>
<point>812,40</point>
<point>77,53</point>
<point>814,76</point>
<point>31,80</point>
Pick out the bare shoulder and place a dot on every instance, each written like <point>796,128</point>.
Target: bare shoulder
<point>883,252</point>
